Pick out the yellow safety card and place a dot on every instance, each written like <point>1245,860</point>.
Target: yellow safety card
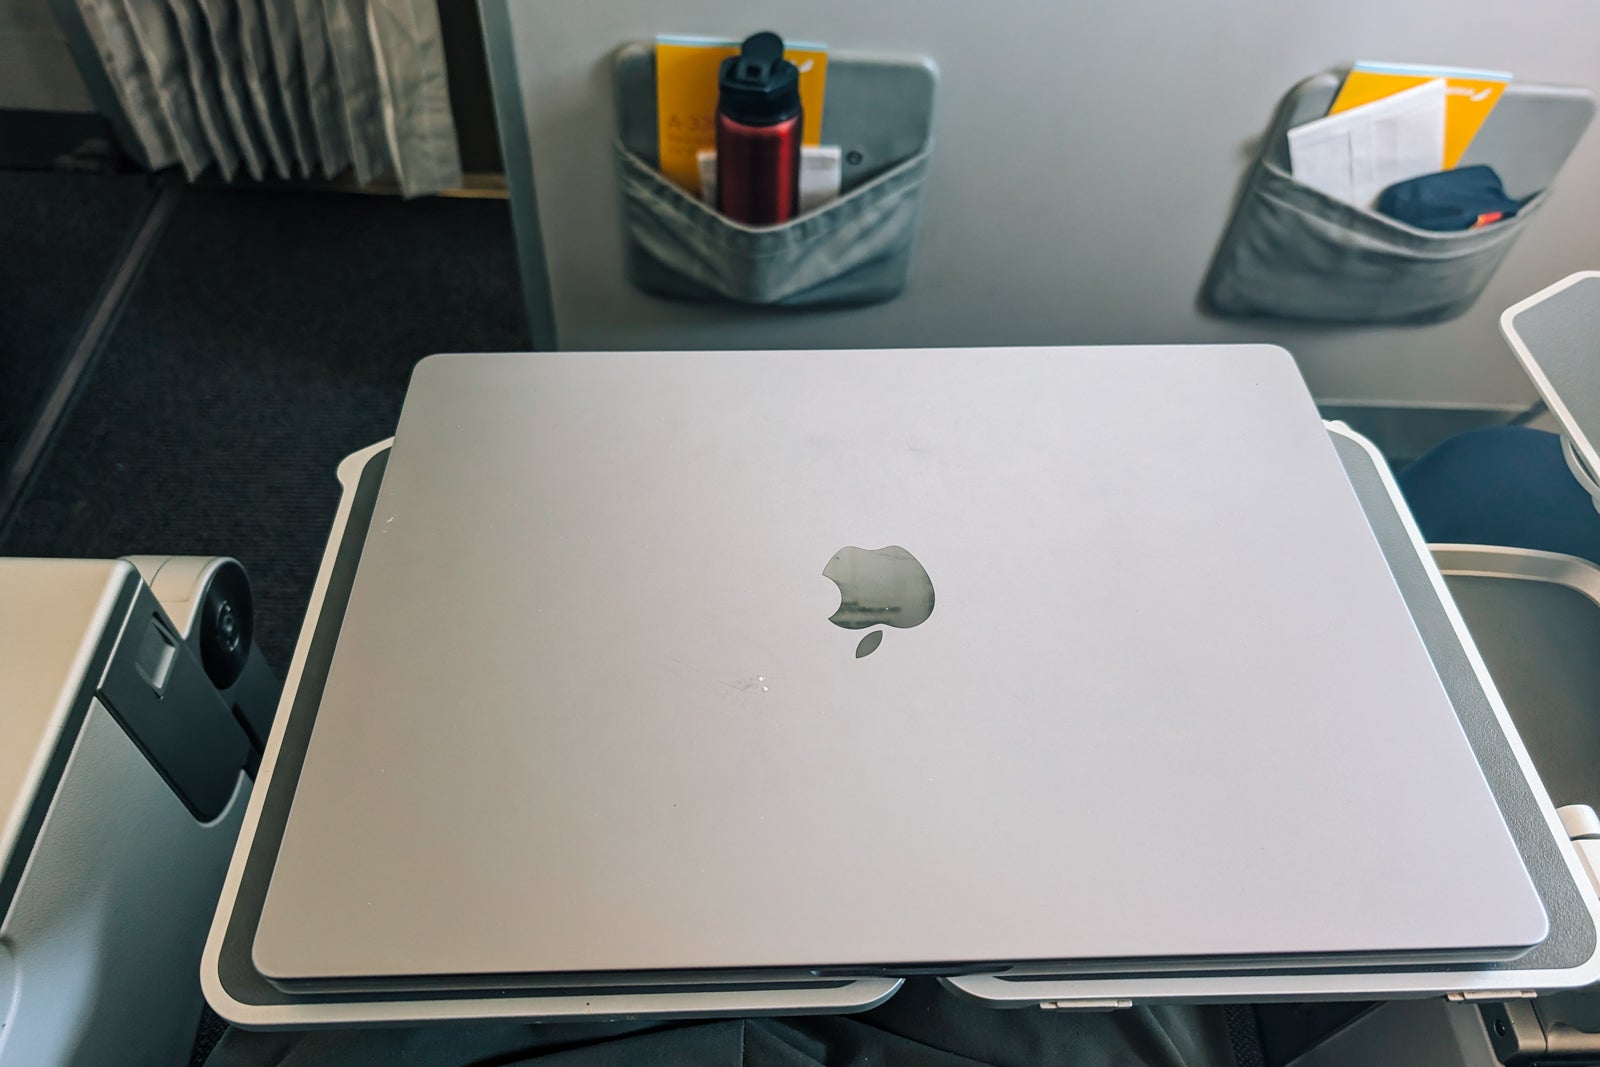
<point>1469,97</point>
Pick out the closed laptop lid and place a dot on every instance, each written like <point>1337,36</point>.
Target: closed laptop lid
<point>700,661</point>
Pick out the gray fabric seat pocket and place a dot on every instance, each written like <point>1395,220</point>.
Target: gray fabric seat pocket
<point>1295,253</point>
<point>854,250</point>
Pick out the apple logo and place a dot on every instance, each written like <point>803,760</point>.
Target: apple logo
<point>879,587</point>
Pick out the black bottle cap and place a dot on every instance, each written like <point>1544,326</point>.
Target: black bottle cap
<point>758,87</point>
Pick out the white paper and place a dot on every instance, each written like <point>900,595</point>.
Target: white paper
<point>821,167</point>
<point>1357,154</point>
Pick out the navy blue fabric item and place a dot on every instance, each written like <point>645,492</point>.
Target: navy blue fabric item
<point>1449,200</point>
<point>1508,485</point>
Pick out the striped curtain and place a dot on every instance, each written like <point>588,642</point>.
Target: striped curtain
<point>284,88</point>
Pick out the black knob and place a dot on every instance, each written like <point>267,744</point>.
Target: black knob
<point>225,625</point>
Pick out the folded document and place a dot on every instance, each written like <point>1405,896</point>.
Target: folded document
<point>1356,154</point>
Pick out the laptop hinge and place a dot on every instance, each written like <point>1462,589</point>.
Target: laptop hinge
<point>1490,994</point>
<point>1088,1004</point>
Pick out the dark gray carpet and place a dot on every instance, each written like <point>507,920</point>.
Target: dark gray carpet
<point>60,235</point>
<point>270,335</point>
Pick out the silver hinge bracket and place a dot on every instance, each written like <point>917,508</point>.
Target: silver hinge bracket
<point>1473,995</point>
<point>1103,1004</point>
<point>1588,850</point>
<point>1583,827</point>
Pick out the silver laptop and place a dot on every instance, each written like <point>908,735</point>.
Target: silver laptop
<point>800,662</point>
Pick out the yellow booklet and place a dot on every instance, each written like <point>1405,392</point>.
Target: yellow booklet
<point>1469,97</point>
<point>686,99</point>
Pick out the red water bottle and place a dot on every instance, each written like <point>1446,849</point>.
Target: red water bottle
<point>758,134</point>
